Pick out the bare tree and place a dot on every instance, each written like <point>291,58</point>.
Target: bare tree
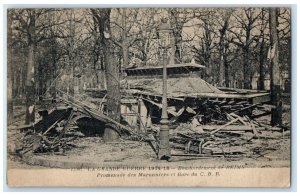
<point>223,47</point>
<point>71,52</point>
<point>102,16</point>
<point>284,34</point>
<point>226,51</point>
<point>34,28</point>
<point>10,72</point>
<point>262,43</point>
<point>275,70</point>
<point>178,17</point>
<point>30,26</point>
<point>207,44</point>
<point>244,37</point>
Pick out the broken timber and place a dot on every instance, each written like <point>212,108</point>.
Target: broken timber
<point>237,128</point>
<point>99,116</point>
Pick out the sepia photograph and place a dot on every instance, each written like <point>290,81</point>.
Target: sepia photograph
<point>156,97</point>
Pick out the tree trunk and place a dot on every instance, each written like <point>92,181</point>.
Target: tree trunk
<point>178,46</point>
<point>41,78</point>
<point>71,81</point>
<point>125,56</point>
<point>276,118</point>
<point>209,71</point>
<point>111,72</point>
<point>226,70</point>
<point>206,45</point>
<point>102,72</point>
<point>177,27</point>
<point>261,80</point>
<point>10,74</point>
<point>30,87</point>
<point>30,74</point>
<point>246,69</point>
<point>125,48</point>
<point>113,92</point>
<point>172,51</point>
<point>223,32</point>
<point>52,80</point>
<point>71,58</point>
<point>221,69</point>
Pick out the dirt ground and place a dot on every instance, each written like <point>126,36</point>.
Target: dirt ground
<point>135,153</point>
<point>127,153</point>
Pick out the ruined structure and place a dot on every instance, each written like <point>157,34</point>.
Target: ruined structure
<point>199,113</point>
<point>188,95</point>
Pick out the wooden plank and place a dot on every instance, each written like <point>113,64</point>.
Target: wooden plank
<point>260,115</point>
<point>202,95</point>
<point>227,128</point>
<point>25,127</point>
<point>240,90</point>
<point>239,117</point>
<point>245,108</point>
<point>51,126</point>
<point>261,99</point>
<point>239,128</point>
<point>229,116</point>
<point>186,136</point>
<point>223,126</point>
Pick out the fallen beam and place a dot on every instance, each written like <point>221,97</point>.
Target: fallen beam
<point>223,126</point>
<point>245,108</point>
<point>237,128</point>
<point>99,116</point>
<point>260,115</point>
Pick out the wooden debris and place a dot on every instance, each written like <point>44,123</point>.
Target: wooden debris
<point>211,127</point>
<point>229,128</point>
<point>223,126</point>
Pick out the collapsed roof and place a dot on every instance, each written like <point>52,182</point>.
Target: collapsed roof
<point>184,80</point>
<point>177,87</point>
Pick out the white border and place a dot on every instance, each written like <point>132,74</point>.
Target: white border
<point>151,3</point>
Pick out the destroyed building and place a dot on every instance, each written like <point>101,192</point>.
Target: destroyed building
<point>188,95</point>
<point>201,116</point>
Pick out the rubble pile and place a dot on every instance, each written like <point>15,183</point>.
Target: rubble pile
<point>239,137</point>
<point>214,131</point>
<point>60,126</point>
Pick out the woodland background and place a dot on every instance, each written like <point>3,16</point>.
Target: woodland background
<point>64,47</point>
